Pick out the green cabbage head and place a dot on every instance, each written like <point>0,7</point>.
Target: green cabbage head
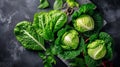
<point>70,40</point>
<point>97,49</point>
<point>84,23</point>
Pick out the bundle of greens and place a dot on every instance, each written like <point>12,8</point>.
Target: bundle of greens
<point>47,23</point>
<point>79,42</point>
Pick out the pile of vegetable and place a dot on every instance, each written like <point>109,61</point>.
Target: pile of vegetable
<point>79,41</point>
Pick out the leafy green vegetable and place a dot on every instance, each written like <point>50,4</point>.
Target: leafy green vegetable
<point>109,54</point>
<point>77,62</point>
<point>68,44</point>
<point>91,62</point>
<point>89,9</point>
<point>48,58</point>
<point>88,60</point>
<point>83,46</point>
<point>70,40</point>
<point>84,23</point>
<point>43,24</point>
<point>72,3</point>
<point>48,23</point>
<point>59,19</point>
<point>70,54</point>
<point>84,9</point>
<point>106,37</point>
<point>98,21</point>
<point>56,49</point>
<point>58,4</point>
<point>28,37</point>
<point>93,37</point>
<point>43,4</point>
<point>109,41</point>
<point>97,49</point>
<point>65,54</point>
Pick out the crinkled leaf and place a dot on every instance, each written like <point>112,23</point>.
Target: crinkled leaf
<point>70,54</point>
<point>84,9</point>
<point>27,36</point>
<point>87,8</point>
<point>109,54</point>
<point>48,23</point>
<point>48,58</point>
<point>106,37</point>
<point>43,25</point>
<point>90,62</point>
<point>108,43</point>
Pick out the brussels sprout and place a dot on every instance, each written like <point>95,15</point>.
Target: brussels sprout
<point>84,23</point>
<point>70,40</point>
<point>97,49</point>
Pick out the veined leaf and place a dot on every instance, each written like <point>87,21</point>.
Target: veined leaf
<point>28,37</point>
<point>58,4</point>
<point>49,23</point>
<point>43,4</point>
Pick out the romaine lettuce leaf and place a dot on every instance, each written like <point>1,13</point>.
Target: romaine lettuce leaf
<point>43,4</point>
<point>28,37</point>
<point>47,24</point>
<point>58,4</point>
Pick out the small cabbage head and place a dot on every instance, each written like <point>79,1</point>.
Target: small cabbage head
<point>84,23</point>
<point>70,40</point>
<point>97,49</point>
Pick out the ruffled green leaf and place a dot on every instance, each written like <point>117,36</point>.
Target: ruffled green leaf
<point>28,37</point>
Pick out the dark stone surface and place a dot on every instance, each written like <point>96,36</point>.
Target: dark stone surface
<point>12,54</point>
